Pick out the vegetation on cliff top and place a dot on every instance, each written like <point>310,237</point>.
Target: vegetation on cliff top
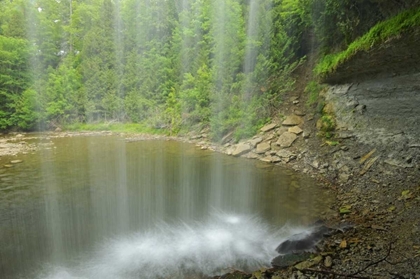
<point>378,34</point>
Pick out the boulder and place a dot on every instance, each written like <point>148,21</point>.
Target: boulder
<point>268,127</point>
<point>284,261</point>
<point>263,147</point>
<point>292,120</point>
<point>241,148</point>
<point>286,139</point>
<point>303,242</point>
<point>295,130</point>
<point>255,141</point>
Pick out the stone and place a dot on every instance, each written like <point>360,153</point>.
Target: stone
<point>360,109</point>
<point>284,261</point>
<point>295,130</point>
<point>263,147</point>
<point>271,159</point>
<point>196,137</point>
<point>255,141</point>
<point>283,153</point>
<point>308,263</point>
<point>267,159</point>
<point>227,138</point>
<point>8,166</point>
<point>286,139</point>
<point>328,261</point>
<point>251,155</point>
<point>268,127</point>
<point>352,104</point>
<point>241,148</point>
<point>16,161</point>
<point>275,147</point>
<point>396,163</point>
<point>58,129</point>
<point>306,135</point>
<point>292,120</point>
<point>299,113</point>
<point>315,164</point>
<point>302,242</point>
<point>275,159</point>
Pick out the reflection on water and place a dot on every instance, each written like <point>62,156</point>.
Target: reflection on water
<point>99,207</point>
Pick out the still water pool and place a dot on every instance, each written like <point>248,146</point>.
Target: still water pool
<point>102,207</point>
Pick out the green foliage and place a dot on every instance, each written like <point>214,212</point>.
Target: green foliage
<point>15,98</point>
<point>313,89</point>
<point>326,126</point>
<point>165,64</point>
<point>378,34</point>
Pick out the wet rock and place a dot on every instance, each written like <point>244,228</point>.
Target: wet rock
<point>286,139</point>
<point>268,127</point>
<point>263,147</point>
<point>241,148</point>
<point>284,261</point>
<point>16,161</point>
<point>236,275</point>
<point>302,242</point>
<point>308,263</point>
<point>295,130</point>
<point>292,120</point>
<point>8,166</point>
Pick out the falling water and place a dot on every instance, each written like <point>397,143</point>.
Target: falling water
<point>221,243</point>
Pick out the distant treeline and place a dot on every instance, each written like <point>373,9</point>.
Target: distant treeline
<point>167,63</point>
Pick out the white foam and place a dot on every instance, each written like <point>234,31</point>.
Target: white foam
<point>212,247</point>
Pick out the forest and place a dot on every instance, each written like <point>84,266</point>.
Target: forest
<point>171,64</point>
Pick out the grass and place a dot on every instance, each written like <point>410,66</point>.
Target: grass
<point>376,35</point>
<point>313,89</point>
<point>116,127</point>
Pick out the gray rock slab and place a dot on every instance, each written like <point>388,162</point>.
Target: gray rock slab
<point>263,147</point>
<point>268,127</point>
<point>295,130</point>
<point>283,153</point>
<point>255,141</point>
<point>292,120</point>
<point>286,139</point>
<point>241,148</point>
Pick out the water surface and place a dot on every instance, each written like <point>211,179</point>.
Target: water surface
<point>102,207</point>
